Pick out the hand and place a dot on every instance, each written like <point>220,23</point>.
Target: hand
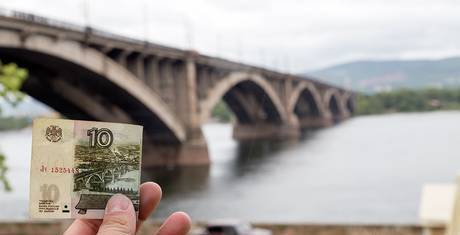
<point>120,218</point>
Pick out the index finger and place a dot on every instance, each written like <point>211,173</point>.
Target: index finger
<point>150,195</point>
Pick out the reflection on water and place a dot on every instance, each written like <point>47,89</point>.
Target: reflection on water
<point>177,181</point>
<point>180,180</point>
<point>367,170</point>
<point>250,155</point>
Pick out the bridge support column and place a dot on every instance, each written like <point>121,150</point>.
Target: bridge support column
<point>346,114</point>
<point>135,64</point>
<point>315,122</point>
<point>152,76</point>
<point>187,154</point>
<point>265,131</point>
<point>195,150</point>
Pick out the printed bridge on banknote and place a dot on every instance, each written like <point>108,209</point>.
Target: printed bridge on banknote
<point>87,74</point>
<point>102,169</point>
<point>101,177</point>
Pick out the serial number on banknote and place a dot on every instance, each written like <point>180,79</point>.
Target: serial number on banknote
<point>62,170</point>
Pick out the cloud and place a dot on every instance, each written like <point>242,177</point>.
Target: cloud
<point>283,34</point>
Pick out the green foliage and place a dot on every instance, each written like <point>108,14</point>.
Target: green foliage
<point>408,101</point>
<point>3,170</point>
<point>11,79</point>
<point>222,112</point>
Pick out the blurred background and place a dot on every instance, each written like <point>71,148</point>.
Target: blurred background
<point>305,112</point>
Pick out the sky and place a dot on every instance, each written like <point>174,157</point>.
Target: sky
<point>286,35</point>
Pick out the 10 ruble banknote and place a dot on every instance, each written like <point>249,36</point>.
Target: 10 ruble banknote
<point>78,165</point>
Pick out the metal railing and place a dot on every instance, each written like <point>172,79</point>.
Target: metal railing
<point>64,25</point>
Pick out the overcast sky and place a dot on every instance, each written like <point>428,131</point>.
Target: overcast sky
<point>288,35</point>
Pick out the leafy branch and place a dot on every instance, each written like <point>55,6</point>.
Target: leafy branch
<point>3,170</point>
<point>11,79</point>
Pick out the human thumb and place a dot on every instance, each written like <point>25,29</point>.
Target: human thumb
<point>119,218</point>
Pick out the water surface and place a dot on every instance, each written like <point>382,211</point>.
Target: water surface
<point>365,170</point>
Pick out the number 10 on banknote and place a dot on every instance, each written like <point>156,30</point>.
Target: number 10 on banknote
<point>78,165</point>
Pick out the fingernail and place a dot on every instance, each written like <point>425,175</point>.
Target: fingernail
<point>117,202</point>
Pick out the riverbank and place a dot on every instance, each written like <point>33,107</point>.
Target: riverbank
<point>58,227</point>
<point>404,100</point>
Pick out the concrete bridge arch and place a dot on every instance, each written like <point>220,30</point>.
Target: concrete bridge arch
<point>306,107</point>
<point>99,72</point>
<point>349,104</point>
<point>272,102</point>
<point>334,103</point>
<point>96,179</point>
<point>110,174</point>
<point>260,113</point>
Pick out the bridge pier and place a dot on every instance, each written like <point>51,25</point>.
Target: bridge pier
<point>192,152</point>
<point>265,131</point>
<point>339,118</point>
<point>315,122</point>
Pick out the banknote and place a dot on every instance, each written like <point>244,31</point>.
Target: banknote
<point>77,166</point>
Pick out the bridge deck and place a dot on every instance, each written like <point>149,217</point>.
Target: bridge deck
<point>15,20</point>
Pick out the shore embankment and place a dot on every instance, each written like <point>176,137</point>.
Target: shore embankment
<point>58,227</point>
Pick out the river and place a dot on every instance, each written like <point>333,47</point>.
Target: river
<point>365,170</point>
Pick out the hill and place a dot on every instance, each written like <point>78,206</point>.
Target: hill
<point>373,76</point>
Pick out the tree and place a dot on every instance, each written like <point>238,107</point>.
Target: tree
<point>11,79</point>
<point>222,112</point>
<point>404,100</point>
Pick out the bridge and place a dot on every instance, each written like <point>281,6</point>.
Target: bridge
<point>99,178</point>
<point>87,74</point>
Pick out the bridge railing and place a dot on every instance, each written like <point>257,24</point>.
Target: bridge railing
<point>39,19</point>
<point>61,24</point>
<point>101,33</point>
<point>79,28</point>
